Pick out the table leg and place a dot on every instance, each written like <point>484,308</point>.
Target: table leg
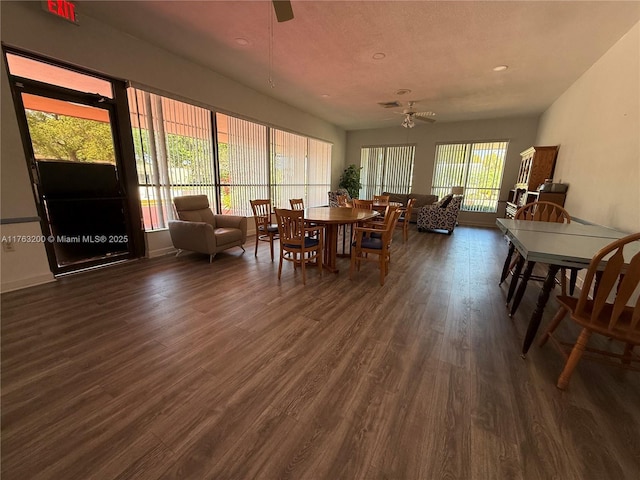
<point>330,247</point>
<point>507,262</point>
<point>516,277</point>
<point>573,277</point>
<point>523,286</point>
<point>536,317</point>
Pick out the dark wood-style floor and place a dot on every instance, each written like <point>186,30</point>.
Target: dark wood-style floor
<point>177,368</point>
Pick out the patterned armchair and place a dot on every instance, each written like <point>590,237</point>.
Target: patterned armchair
<point>333,197</point>
<point>442,215</point>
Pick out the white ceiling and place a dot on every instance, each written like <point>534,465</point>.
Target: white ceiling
<point>443,51</point>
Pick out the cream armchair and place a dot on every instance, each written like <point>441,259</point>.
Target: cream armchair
<point>199,230</point>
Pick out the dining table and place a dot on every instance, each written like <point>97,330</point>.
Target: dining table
<point>332,218</point>
<point>557,245</point>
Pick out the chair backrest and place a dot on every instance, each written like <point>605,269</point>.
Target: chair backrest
<point>543,212</point>
<point>617,281</point>
<point>290,226</point>
<point>342,200</point>
<point>391,220</point>
<point>194,208</point>
<point>409,208</point>
<point>381,199</point>
<point>261,213</point>
<point>362,204</point>
<point>296,203</point>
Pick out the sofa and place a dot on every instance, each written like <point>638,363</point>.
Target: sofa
<point>442,215</point>
<point>421,201</point>
<point>199,230</point>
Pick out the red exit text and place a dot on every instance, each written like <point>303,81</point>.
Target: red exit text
<point>61,8</point>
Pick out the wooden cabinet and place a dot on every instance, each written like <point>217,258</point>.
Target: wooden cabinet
<point>536,166</point>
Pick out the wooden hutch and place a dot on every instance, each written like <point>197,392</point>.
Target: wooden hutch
<point>536,166</point>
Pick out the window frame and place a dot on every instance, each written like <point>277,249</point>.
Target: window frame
<point>463,181</point>
<point>381,170</point>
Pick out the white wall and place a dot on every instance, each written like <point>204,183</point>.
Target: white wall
<point>520,132</point>
<point>596,122</point>
<point>98,47</point>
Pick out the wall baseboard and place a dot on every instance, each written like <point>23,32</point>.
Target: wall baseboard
<point>160,252</point>
<point>26,282</point>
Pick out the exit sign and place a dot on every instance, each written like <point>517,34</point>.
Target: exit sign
<point>61,8</point>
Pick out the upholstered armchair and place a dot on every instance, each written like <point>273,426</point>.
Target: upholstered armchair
<point>199,230</point>
<point>333,197</point>
<point>442,215</point>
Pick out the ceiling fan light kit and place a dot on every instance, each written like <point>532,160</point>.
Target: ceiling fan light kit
<point>410,114</point>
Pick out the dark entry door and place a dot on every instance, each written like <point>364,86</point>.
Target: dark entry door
<point>78,183</point>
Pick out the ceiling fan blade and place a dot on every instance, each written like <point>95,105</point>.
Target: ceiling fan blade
<point>283,10</point>
<point>424,119</point>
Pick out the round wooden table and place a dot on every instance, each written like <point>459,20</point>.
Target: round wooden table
<point>331,218</point>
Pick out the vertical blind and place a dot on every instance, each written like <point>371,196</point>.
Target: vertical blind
<point>175,156</point>
<point>243,163</point>
<point>288,167</point>
<point>478,167</point>
<point>173,151</point>
<point>386,169</point>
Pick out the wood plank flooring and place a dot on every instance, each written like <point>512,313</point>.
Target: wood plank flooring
<point>175,368</point>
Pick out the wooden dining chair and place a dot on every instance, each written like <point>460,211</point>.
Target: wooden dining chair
<point>381,199</point>
<point>296,203</point>
<point>543,212</point>
<point>296,242</point>
<point>403,220</point>
<point>362,204</point>
<point>265,230</point>
<point>376,241</point>
<point>613,311</point>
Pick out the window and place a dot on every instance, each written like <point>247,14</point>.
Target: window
<point>478,167</point>
<point>300,168</point>
<point>174,146</point>
<point>386,169</point>
<point>243,163</point>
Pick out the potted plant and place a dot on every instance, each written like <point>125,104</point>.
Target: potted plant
<point>350,180</point>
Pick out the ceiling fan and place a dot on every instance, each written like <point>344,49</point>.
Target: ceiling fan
<point>410,114</point>
<point>283,10</point>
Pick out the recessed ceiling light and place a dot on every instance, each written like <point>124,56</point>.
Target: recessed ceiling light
<point>378,56</point>
<point>242,41</point>
<point>500,68</point>
<point>403,91</point>
<point>325,95</point>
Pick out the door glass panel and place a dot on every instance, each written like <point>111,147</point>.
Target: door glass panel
<point>77,180</point>
<point>62,77</point>
<point>62,130</point>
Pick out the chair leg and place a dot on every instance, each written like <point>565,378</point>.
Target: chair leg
<point>574,358</point>
<point>561,313</point>
<point>353,263</point>
<point>255,254</point>
<point>304,270</point>
<point>179,252</point>
<point>242,247</point>
<point>280,266</point>
<point>211,257</point>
